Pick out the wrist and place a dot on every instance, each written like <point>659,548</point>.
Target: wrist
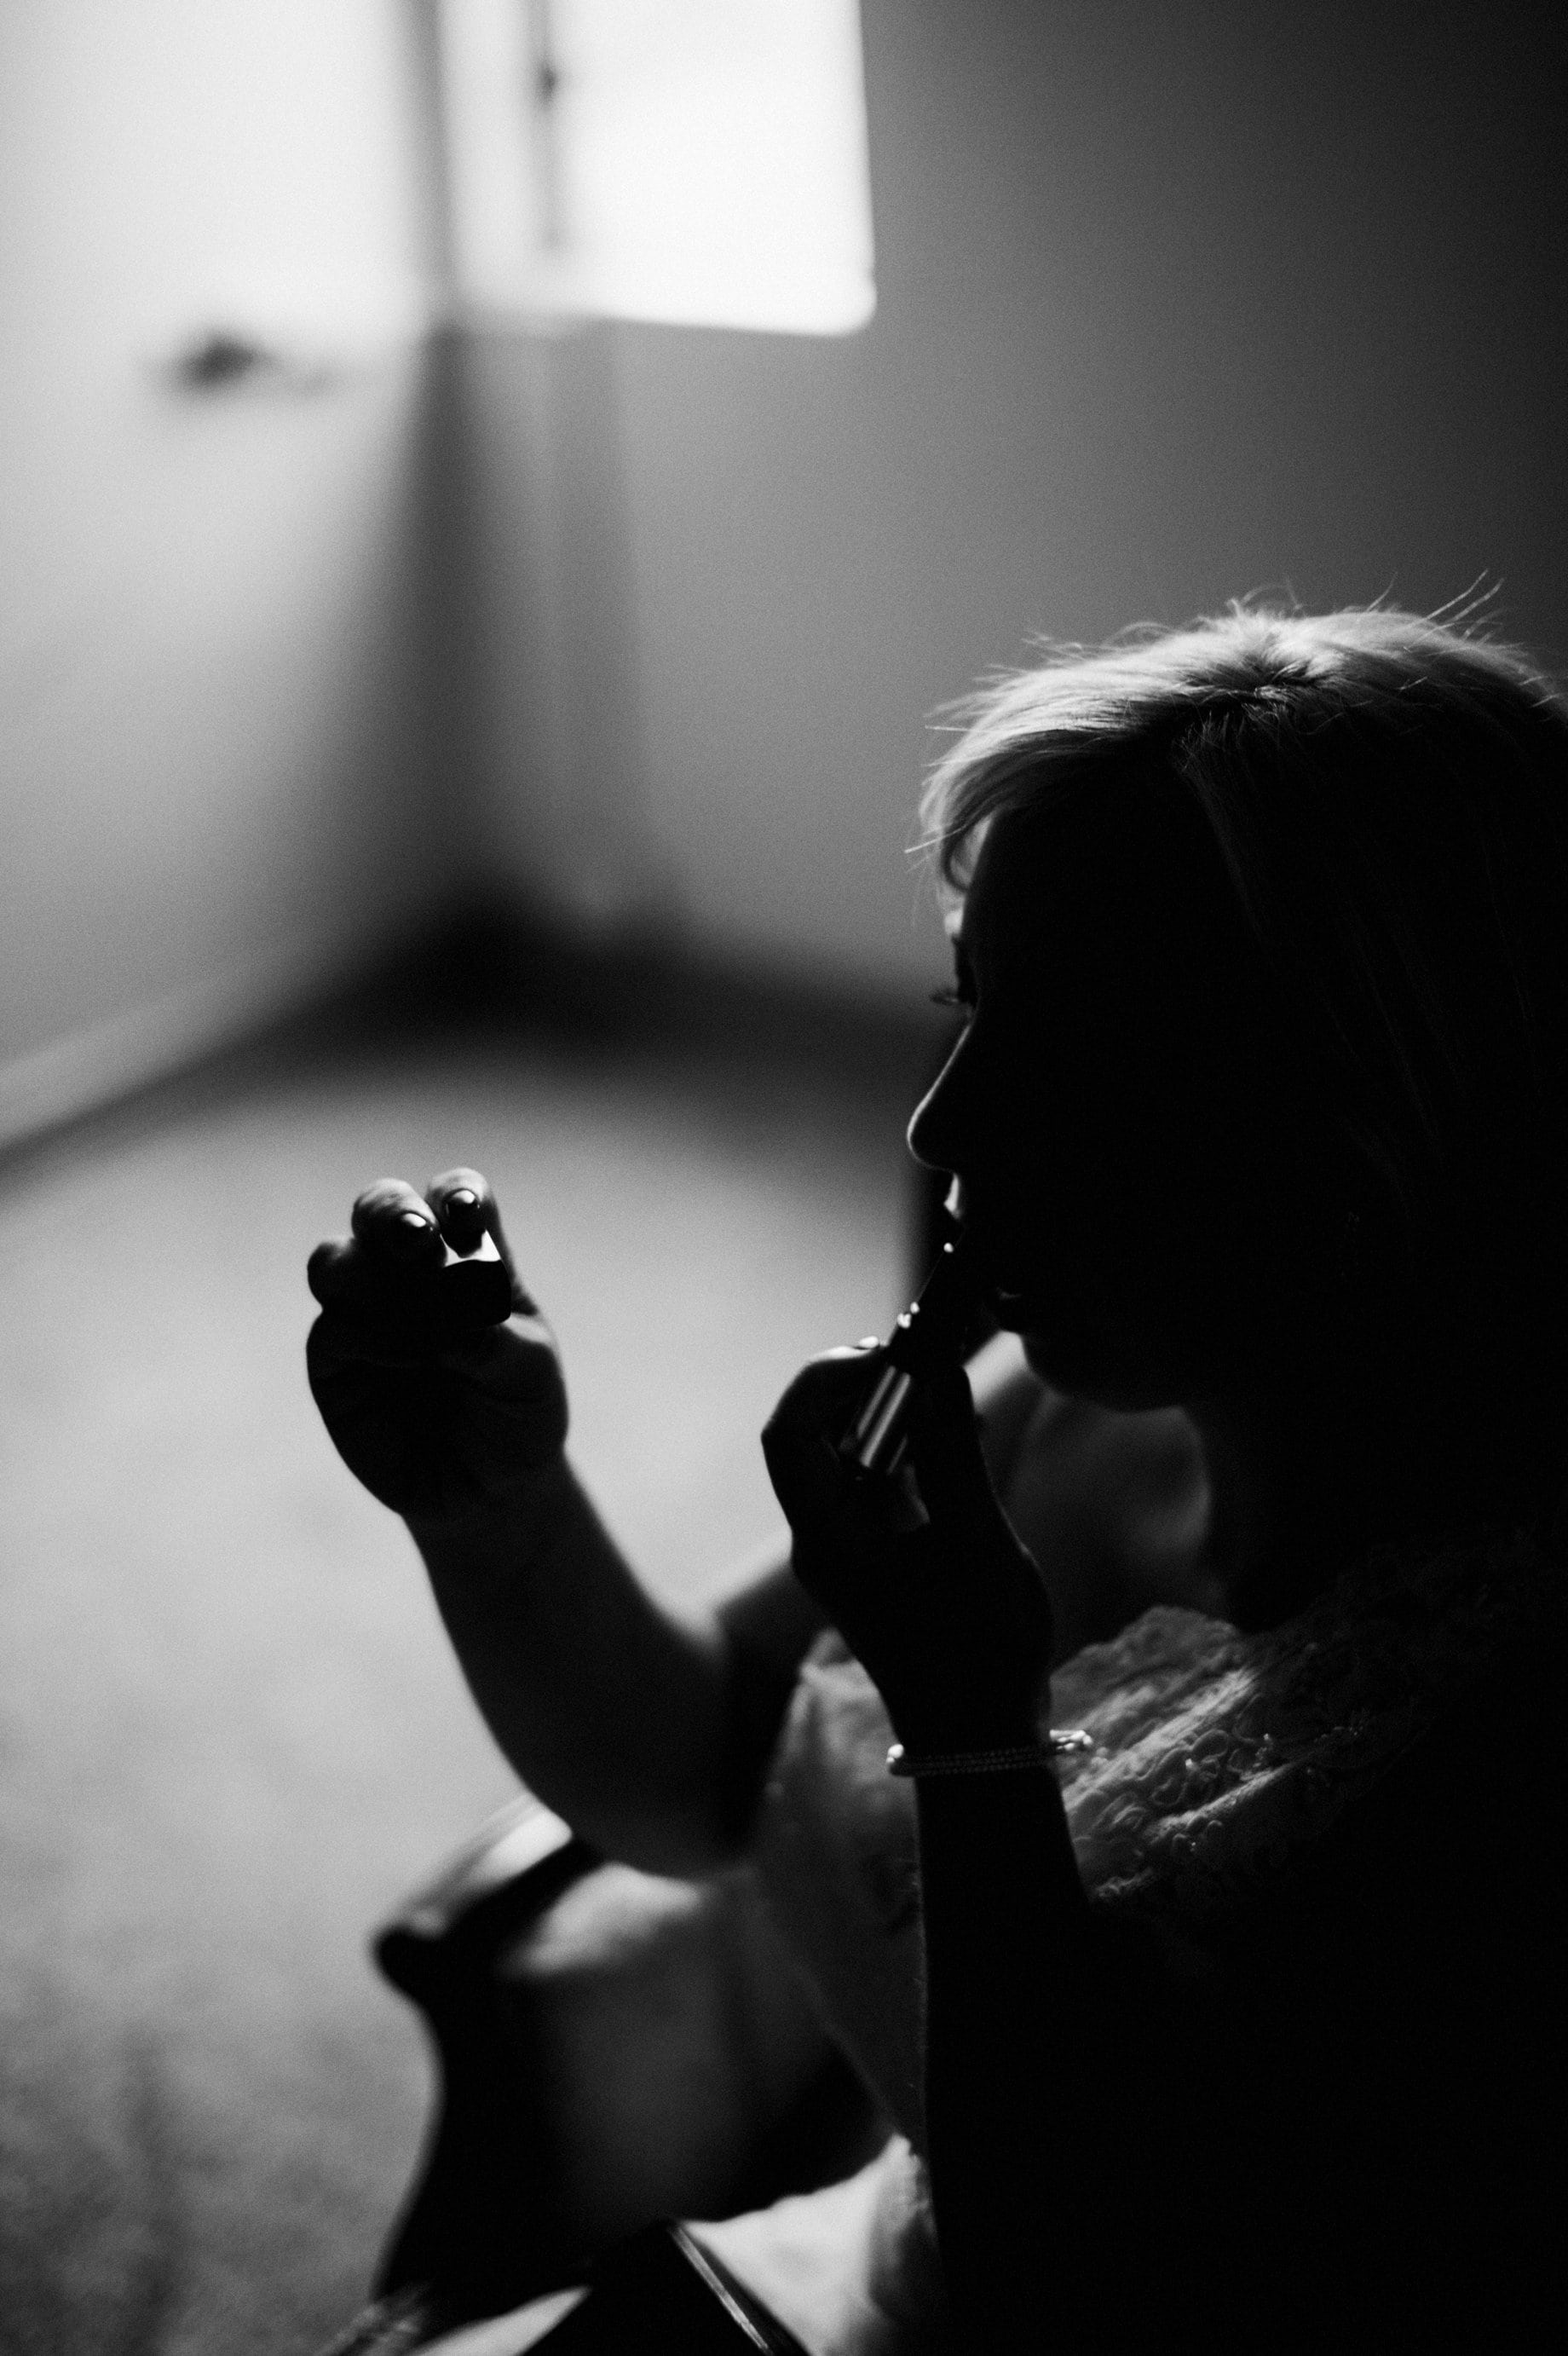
<point>505,1526</point>
<point>972,1719</point>
<point>928,1734</point>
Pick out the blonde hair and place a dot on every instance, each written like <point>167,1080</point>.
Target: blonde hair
<point>1388,796</point>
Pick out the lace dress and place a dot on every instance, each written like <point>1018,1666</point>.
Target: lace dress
<point>1219,1759</point>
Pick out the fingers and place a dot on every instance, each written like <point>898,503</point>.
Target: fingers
<point>326,1272</point>
<point>464,1208</point>
<point>399,1240</point>
<point>801,1437</point>
<point>825,1390</point>
<point>393,1251</point>
<point>389,1218</point>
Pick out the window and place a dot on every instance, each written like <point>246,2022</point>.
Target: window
<point>698,161</point>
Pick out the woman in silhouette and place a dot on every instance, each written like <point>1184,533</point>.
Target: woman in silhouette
<point>1236,2026</point>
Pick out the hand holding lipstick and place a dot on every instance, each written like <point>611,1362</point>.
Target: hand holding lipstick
<point>943,1607</point>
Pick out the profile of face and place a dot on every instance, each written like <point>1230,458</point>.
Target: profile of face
<point>1107,1110</point>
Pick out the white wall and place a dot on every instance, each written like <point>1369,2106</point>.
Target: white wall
<point>210,761</point>
<point>1174,304</point>
<point>648,621</point>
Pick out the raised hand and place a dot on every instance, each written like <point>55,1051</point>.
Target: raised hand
<point>929,1586</point>
<point>441,1419</point>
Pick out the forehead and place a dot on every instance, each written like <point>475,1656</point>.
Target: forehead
<point>1109,928</point>
<point>1050,884</point>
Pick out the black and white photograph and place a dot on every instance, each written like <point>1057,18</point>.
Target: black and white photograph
<point>784,1177</point>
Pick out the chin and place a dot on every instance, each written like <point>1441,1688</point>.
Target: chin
<point>1086,1355</point>
<point>1102,1378</point>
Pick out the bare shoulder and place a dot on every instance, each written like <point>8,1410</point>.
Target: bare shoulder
<point>768,1620</point>
<point>1041,1443</point>
<point>1112,1505</point>
<point>1007,1399</point>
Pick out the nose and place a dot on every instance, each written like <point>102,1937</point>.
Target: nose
<point>935,1130</point>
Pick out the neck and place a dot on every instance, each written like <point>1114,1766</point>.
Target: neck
<point>1305,1477</point>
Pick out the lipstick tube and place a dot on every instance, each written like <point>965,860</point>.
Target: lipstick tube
<point>929,1331</point>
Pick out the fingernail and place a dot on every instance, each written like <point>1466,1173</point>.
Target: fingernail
<point>414,1223</point>
<point>869,1342</point>
<point>464,1198</point>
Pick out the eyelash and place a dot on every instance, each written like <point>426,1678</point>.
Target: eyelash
<point>945,995</point>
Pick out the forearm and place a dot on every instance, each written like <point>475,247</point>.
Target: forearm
<point>617,1712</point>
<point>1023,2022</point>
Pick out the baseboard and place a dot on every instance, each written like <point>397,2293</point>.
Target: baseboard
<point>470,969</point>
<point>514,961</point>
<point>72,1080</point>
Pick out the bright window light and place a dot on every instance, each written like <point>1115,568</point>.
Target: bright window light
<point>696,161</point>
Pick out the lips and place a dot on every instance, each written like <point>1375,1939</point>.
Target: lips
<point>1001,1255</point>
<point>1012,1313</point>
<point>1010,1306</point>
<point>990,1265</point>
<point>1017,1306</point>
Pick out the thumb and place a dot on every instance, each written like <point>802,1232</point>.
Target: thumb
<point>800,1438</point>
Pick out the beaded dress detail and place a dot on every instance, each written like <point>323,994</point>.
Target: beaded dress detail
<point>1218,1756</point>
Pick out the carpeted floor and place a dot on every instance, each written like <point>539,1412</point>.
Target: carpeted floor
<point>231,1733</point>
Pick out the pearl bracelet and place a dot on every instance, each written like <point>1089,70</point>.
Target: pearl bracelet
<point>1053,1745</point>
